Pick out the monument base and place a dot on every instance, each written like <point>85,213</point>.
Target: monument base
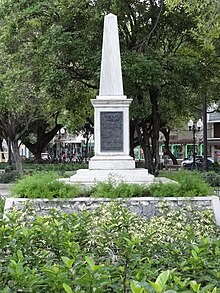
<point>112,162</point>
<point>90,177</point>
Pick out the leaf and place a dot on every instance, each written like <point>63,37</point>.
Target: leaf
<point>207,288</point>
<point>67,288</point>
<point>20,255</point>
<point>195,255</point>
<point>25,231</point>
<point>195,286</point>
<point>68,262</point>
<point>136,287</point>
<point>91,264</point>
<point>162,278</point>
<point>157,287</point>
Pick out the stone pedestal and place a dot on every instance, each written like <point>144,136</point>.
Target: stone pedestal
<point>90,177</point>
<point>111,134</point>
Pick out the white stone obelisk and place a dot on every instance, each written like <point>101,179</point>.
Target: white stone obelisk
<point>111,75</point>
<point>111,120</point>
<point>111,107</point>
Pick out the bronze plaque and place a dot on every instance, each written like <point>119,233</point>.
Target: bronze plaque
<point>111,128</point>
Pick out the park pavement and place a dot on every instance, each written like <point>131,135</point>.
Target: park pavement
<point>5,189</point>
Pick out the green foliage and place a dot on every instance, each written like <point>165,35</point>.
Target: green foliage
<point>45,185</point>
<point>2,204</point>
<point>54,166</point>
<point>212,178</point>
<point>122,190</point>
<point>190,183</point>
<point>109,250</point>
<point>51,51</point>
<point>9,177</point>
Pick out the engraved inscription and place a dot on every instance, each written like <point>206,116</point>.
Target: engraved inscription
<point>111,126</point>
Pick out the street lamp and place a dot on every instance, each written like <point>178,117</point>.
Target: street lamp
<point>195,128</point>
<point>205,143</point>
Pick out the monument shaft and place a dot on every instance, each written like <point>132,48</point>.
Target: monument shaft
<point>111,107</point>
<point>111,75</point>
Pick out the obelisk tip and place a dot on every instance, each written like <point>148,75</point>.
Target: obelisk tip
<point>110,15</point>
<point>111,75</point>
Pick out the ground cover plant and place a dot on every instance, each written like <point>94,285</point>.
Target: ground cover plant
<point>110,250</point>
<point>45,185</point>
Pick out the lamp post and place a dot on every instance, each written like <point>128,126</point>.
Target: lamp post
<point>194,128</point>
<point>205,144</point>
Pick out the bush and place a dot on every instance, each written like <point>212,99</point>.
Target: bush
<point>109,250</point>
<point>45,166</point>
<point>44,185</point>
<point>212,178</point>
<point>122,190</point>
<point>2,204</point>
<point>9,177</point>
<point>191,183</point>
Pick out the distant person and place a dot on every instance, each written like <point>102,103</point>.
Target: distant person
<point>78,157</point>
<point>64,157</point>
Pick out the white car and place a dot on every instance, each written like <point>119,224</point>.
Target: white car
<point>198,159</point>
<point>45,156</point>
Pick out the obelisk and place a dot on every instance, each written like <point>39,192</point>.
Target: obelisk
<point>111,106</point>
<point>111,75</point>
<point>111,120</point>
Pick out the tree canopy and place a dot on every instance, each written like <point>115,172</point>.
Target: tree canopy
<point>51,54</point>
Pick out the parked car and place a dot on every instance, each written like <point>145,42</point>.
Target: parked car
<point>190,160</point>
<point>199,163</point>
<point>45,156</point>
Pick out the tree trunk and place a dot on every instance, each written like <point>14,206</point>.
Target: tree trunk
<point>144,141</point>
<point>43,138</point>
<point>17,157</point>
<point>166,133</point>
<point>148,152</point>
<point>132,133</point>
<point>155,128</point>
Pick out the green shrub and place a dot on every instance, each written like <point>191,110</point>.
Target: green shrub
<point>44,185</point>
<point>45,166</point>
<point>122,190</point>
<point>9,177</point>
<point>2,204</point>
<point>212,178</point>
<point>191,183</point>
<point>109,250</point>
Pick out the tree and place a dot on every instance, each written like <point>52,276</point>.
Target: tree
<point>166,63</point>
<point>163,45</point>
<point>35,82</point>
<point>44,133</point>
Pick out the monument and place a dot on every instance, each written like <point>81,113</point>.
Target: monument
<point>111,121</point>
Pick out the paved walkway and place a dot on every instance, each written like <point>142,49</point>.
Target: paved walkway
<point>5,189</point>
